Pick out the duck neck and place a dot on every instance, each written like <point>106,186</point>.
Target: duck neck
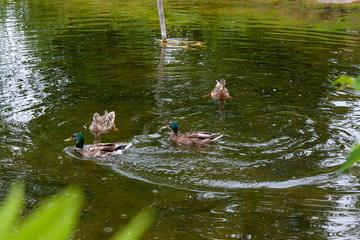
<point>173,136</point>
<point>79,145</point>
<point>80,142</point>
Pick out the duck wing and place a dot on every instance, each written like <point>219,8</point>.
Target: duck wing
<point>103,123</point>
<point>102,150</point>
<point>111,147</point>
<point>110,117</point>
<point>197,137</point>
<point>96,119</point>
<point>209,135</point>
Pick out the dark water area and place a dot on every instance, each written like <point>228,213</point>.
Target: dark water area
<point>286,130</point>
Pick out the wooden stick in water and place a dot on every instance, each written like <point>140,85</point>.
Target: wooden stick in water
<point>162,20</point>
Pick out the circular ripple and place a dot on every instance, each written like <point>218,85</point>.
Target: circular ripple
<point>291,150</point>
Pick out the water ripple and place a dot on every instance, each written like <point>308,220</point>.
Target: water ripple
<point>22,89</point>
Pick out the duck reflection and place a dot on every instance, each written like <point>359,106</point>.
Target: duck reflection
<point>221,103</point>
<point>198,147</point>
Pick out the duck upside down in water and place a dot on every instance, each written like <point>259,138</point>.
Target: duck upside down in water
<point>100,150</point>
<point>103,123</point>
<point>220,91</point>
<point>190,138</point>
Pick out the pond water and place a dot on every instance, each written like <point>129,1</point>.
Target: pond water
<point>286,130</point>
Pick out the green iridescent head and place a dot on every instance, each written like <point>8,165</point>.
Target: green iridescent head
<point>78,138</point>
<point>172,125</point>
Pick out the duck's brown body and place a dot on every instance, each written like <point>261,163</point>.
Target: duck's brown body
<point>103,123</point>
<point>194,138</point>
<point>102,150</point>
<point>190,138</point>
<point>220,91</point>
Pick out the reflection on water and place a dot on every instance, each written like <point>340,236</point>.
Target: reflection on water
<point>21,85</point>
<point>272,175</point>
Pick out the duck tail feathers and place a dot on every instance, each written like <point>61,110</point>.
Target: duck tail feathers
<point>127,146</point>
<point>217,136</point>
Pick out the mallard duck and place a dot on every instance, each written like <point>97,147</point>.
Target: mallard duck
<point>220,91</point>
<point>190,138</point>
<point>100,150</point>
<point>103,123</point>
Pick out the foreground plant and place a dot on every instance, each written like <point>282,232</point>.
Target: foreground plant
<point>345,81</point>
<point>56,218</point>
<point>352,158</point>
<point>353,82</point>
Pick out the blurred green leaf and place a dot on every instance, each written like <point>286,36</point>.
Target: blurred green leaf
<point>353,158</point>
<point>10,209</point>
<point>55,219</point>
<point>357,83</point>
<point>344,81</point>
<point>137,227</point>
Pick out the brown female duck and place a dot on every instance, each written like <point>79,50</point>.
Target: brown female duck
<point>103,123</point>
<point>190,138</point>
<point>220,91</point>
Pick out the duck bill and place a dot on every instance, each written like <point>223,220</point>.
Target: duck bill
<point>68,139</point>
<point>163,127</point>
<point>222,87</point>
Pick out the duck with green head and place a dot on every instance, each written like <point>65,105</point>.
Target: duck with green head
<point>190,138</point>
<point>99,150</point>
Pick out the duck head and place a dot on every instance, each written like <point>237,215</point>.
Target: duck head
<point>173,126</point>
<point>78,138</point>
